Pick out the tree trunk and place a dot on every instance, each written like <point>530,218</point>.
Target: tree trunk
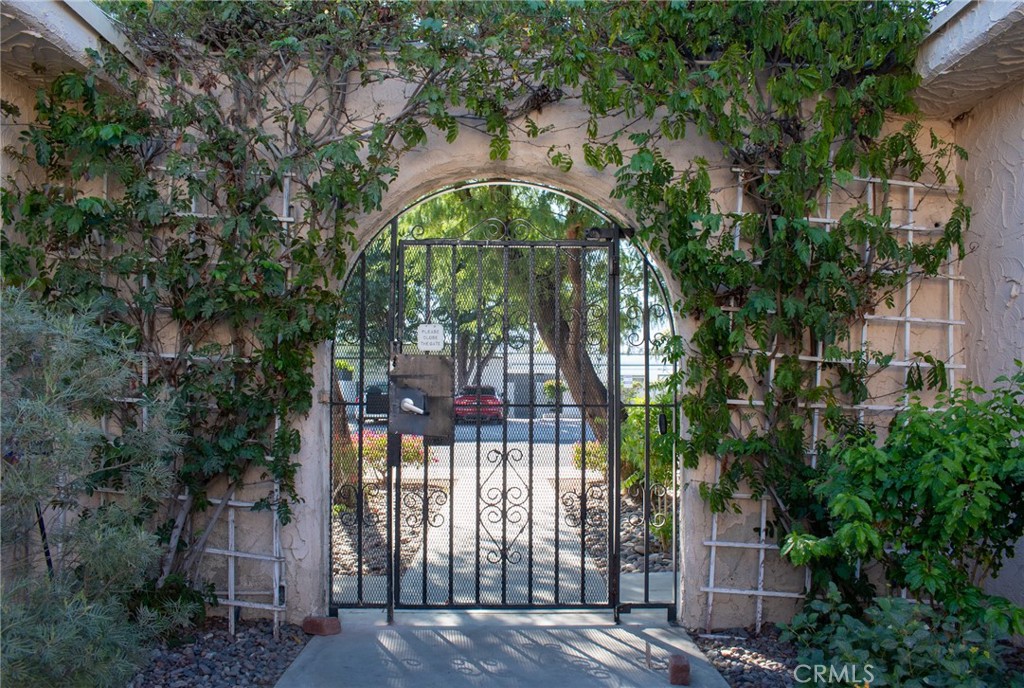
<point>341,436</point>
<point>566,340</point>
<point>467,365</point>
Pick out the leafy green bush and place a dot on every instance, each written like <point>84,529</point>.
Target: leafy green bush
<point>597,456</point>
<point>553,390</point>
<point>938,503</point>
<point>635,429</point>
<point>73,564</point>
<point>901,643</point>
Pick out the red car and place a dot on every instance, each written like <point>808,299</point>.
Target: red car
<point>481,403</point>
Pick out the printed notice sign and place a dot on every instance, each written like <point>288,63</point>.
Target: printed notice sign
<point>430,337</point>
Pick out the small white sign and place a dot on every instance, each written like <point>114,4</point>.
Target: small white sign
<point>430,337</point>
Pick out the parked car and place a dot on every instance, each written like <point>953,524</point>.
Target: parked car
<point>479,403</point>
<point>376,405</point>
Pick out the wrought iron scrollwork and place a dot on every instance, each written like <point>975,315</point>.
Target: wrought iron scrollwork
<point>504,506</point>
<point>597,506</point>
<point>419,502</point>
<point>355,507</point>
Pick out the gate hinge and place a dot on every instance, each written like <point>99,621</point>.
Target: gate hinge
<point>609,233</point>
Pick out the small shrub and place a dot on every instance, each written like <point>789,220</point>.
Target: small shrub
<point>938,503</point>
<point>553,390</point>
<point>636,429</point>
<point>75,569</point>
<point>175,595</point>
<point>901,643</point>
<point>597,456</point>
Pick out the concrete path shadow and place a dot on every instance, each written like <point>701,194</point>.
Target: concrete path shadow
<point>474,649</point>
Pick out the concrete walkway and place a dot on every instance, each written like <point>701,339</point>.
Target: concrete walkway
<point>477,649</point>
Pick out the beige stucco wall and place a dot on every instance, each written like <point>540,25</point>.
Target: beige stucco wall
<point>993,134</point>
<point>22,96</point>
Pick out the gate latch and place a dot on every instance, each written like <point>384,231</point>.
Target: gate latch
<point>409,410</point>
<point>409,406</point>
<point>422,397</point>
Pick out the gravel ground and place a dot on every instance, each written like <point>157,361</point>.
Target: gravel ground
<point>215,659</point>
<point>746,660</point>
<point>345,530</point>
<point>762,661</point>
<point>637,552</point>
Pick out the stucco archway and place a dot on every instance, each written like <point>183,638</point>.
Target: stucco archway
<point>427,171</point>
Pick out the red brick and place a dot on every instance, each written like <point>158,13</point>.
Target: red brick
<point>321,625</point>
<point>679,670</point>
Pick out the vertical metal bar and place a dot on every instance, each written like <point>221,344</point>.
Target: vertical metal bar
<point>531,296</point>
<point>333,457</point>
<point>648,487</point>
<point>360,464</point>
<point>451,447</point>
<point>392,555</point>
<point>581,344</point>
<point>479,361</point>
<point>614,452</point>
<point>504,427</point>
<point>428,259</point>
<point>556,288</point>
<point>678,477</point>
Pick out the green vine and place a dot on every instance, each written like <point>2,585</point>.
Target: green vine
<point>798,96</point>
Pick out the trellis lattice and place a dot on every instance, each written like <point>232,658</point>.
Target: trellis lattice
<point>906,327</point>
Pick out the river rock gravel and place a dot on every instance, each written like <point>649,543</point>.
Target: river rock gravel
<point>217,660</point>
<point>748,661</point>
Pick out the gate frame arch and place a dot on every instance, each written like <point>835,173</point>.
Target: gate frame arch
<point>306,541</point>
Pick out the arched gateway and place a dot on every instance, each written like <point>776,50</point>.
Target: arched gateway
<point>499,438</point>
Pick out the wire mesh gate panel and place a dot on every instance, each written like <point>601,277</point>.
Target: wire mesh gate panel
<point>522,508</point>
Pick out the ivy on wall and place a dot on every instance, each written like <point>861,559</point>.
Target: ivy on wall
<point>241,100</point>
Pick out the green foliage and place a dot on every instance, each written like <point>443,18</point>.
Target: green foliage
<point>597,456</point>
<point>938,502</point>
<point>553,389</point>
<point>73,561</point>
<point>902,642</point>
<point>55,636</point>
<point>375,453</point>
<point>641,427</point>
<point>175,593</point>
<point>798,96</point>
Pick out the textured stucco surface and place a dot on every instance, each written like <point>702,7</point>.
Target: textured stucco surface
<point>993,134</point>
<point>22,96</point>
<point>42,38</point>
<point>971,57</point>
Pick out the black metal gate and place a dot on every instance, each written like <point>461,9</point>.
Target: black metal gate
<point>521,506</point>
